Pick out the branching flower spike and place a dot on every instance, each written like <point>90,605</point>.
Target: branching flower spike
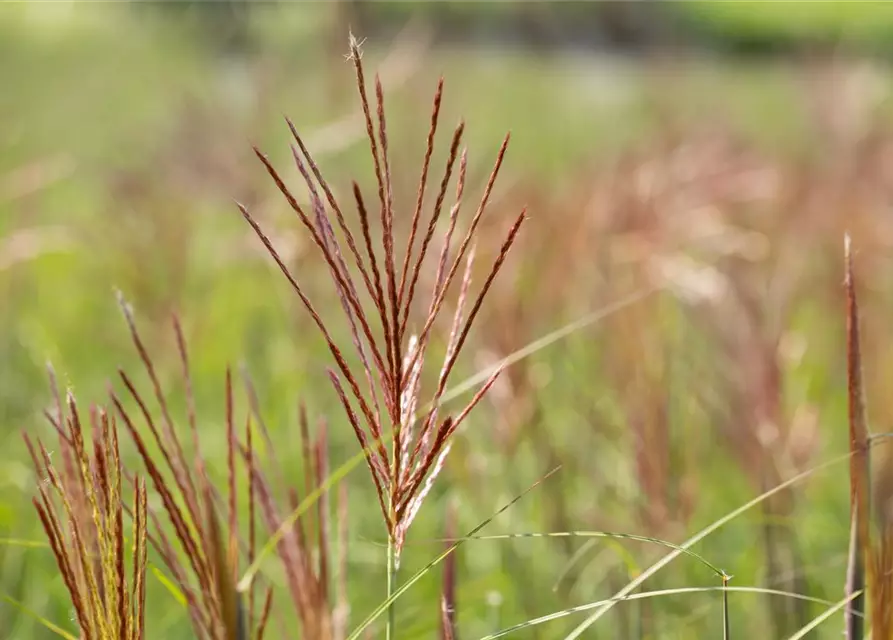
<point>206,521</point>
<point>205,572</point>
<point>81,507</point>
<point>381,395</point>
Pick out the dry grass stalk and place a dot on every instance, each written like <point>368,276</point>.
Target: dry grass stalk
<point>381,399</point>
<point>859,460</point>
<point>81,508</point>
<point>871,549</point>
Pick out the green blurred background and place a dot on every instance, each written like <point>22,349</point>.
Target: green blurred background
<point>711,154</point>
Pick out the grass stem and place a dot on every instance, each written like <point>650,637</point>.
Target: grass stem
<point>392,585</point>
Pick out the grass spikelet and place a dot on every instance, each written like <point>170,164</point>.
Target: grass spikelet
<point>81,508</point>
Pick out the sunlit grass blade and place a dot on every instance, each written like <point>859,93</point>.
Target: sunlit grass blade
<point>21,542</point>
<point>547,340</point>
<point>825,615</point>
<point>59,631</point>
<point>168,584</point>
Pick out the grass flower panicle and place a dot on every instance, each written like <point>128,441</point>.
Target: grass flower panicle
<point>407,441</point>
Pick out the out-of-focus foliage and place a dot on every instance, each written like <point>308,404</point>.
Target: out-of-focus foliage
<point>770,25</point>
<point>713,191</point>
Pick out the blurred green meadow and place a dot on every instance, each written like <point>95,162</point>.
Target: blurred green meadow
<point>689,202</point>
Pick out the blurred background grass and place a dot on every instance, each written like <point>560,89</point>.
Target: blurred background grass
<point>712,153</point>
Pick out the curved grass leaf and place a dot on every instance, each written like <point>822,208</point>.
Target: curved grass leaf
<point>802,633</point>
<point>599,534</point>
<point>667,559</point>
<point>651,594</point>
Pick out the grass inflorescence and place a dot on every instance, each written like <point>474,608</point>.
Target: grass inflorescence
<point>81,506</point>
<point>382,398</point>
